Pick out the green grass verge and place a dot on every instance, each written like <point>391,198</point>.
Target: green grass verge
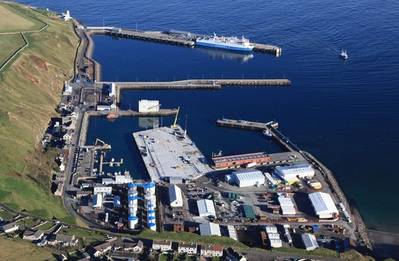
<point>86,235</point>
<point>46,226</point>
<point>9,44</point>
<point>322,252</point>
<point>17,18</point>
<point>31,88</point>
<point>18,249</point>
<point>191,237</point>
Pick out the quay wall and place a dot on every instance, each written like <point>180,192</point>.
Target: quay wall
<point>185,39</point>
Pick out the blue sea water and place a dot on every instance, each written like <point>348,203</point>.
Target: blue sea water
<point>345,113</point>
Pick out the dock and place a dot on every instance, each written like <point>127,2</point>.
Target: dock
<point>186,39</point>
<point>270,127</point>
<point>116,114</point>
<point>168,152</point>
<point>204,84</point>
<point>132,113</point>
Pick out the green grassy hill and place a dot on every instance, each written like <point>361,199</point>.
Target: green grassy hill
<point>30,90</point>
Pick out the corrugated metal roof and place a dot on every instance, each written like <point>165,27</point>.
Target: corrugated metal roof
<point>210,229</point>
<point>322,203</point>
<point>310,242</point>
<point>206,207</point>
<point>248,211</point>
<point>175,195</point>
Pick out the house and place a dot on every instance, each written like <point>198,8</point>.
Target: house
<point>64,240</point>
<point>32,235</point>
<point>131,246</point>
<point>9,227</point>
<point>187,248</point>
<point>212,251</point>
<point>101,249</point>
<point>162,245</point>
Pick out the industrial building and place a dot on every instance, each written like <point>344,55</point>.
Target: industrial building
<point>102,190</point>
<point>175,196</point>
<point>149,105</point>
<point>206,208</point>
<point>209,229</point>
<point>232,232</point>
<point>293,173</point>
<point>287,205</point>
<point>236,161</point>
<point>323,205</point>
<point>309,241</point>
<point>97,201</point>
<point>248,178</point>
<point>273,236</point>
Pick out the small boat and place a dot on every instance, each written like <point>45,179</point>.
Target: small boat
<point>267,133</point>
<point>112,115</point>
<point>344,55</point>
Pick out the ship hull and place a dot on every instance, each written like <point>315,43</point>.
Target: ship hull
<point>230,47</point>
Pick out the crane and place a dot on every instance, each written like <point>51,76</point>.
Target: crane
<point>177,115</point>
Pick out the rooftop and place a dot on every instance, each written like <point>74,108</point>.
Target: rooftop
<point>256,155</point>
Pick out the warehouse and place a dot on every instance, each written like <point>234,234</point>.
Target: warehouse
<point>287,205</point>
<point>290,174</point>
<point>97,201</point>
<point>236,161</point>
<point>209,229</point>
<point>248,178</point>
<point>323,205</point>
<point>206,208</point>
<point>309,241</point>
<point>175,196</point>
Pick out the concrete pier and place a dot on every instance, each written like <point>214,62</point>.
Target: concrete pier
<point>270,127</point>
<point>132,113</point>
<point>205,84</point>
<point>177,38</point>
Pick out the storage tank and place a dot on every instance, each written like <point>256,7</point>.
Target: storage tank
<point>151,200</point>
<point>131,185</point>
<point>151,213</point>
<point>132,192</point>
<point>151,219</point>
<point>133,221</point>
<point>133,210</point>
<point>152,226</point>
<point>149,188</point>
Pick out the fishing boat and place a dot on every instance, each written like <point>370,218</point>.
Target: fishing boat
<point>267,133</point>
<point>344,55</point>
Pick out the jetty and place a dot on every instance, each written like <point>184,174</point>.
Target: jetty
<point>205,84</point>
<point>270,127</point>
<point>169,37</point>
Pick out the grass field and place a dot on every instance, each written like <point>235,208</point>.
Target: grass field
<point>9,44</point>
<point>191,237</point>
<point>13,19</point>
<point>18,249</point>
<point>31,87</point>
